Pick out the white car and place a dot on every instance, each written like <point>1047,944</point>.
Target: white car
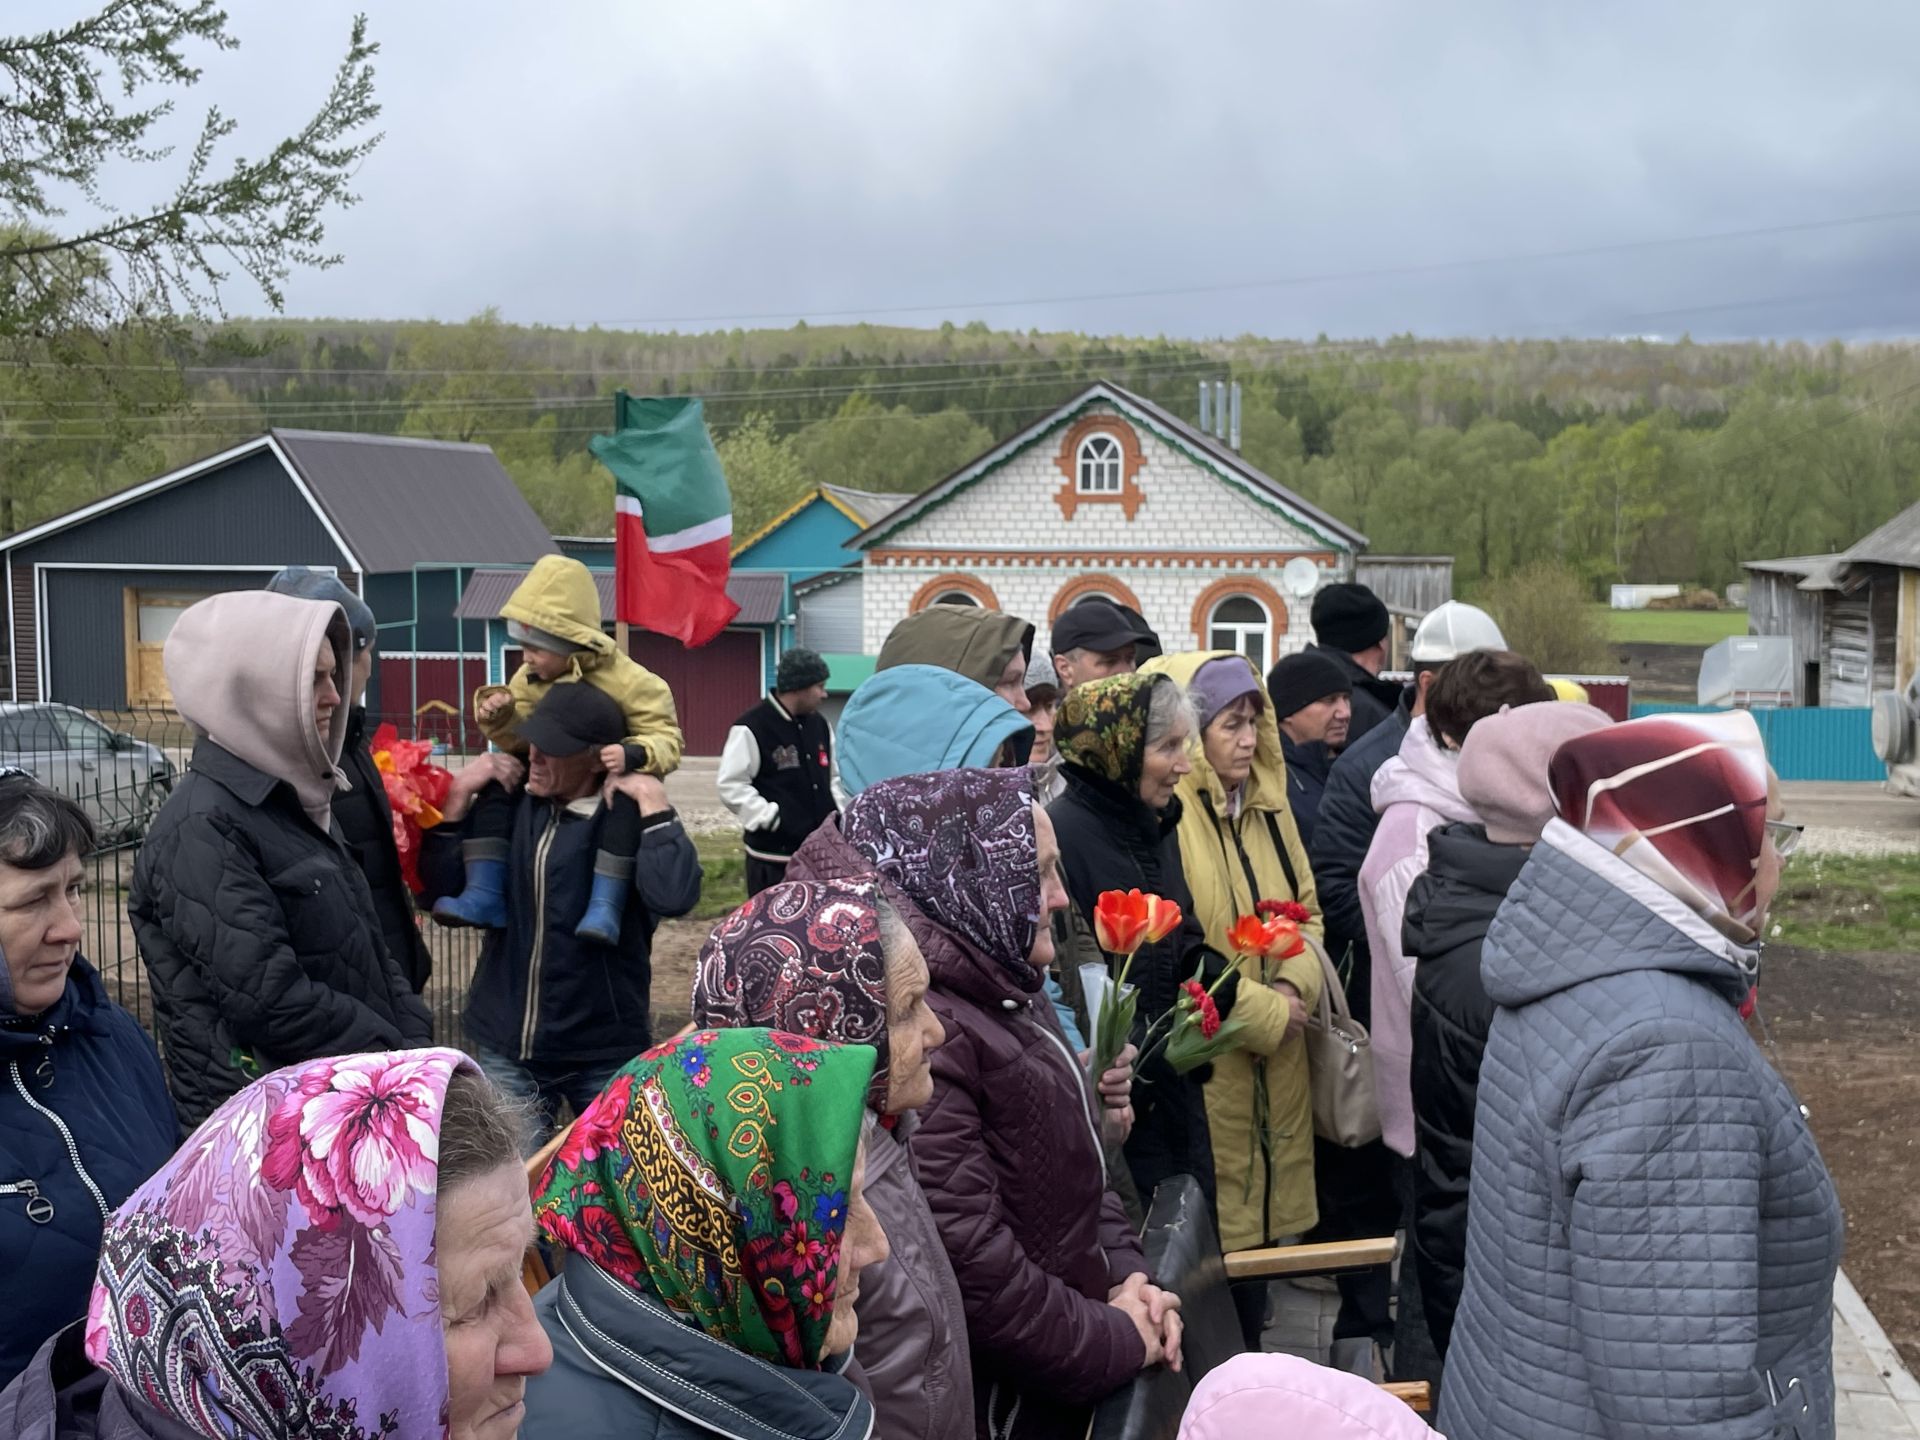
<point>119,781</point>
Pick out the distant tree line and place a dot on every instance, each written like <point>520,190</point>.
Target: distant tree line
<point>1613,460</point>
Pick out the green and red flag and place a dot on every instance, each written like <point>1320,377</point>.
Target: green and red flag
<point>673,519</point>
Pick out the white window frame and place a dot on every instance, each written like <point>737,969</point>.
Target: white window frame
<point>1092,473</point>
<point>1242,631</point>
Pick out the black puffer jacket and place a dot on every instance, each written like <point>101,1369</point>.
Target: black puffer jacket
<point>1109,840</point>
<point>1448,912</point>
<point>540,992</point>
<point>259,938</point>
<point>367,823</point>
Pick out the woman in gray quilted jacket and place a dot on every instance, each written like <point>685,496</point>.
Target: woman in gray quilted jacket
<point>1651,1236</point>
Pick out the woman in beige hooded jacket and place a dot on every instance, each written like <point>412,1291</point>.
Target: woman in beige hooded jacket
<point>253,918</point>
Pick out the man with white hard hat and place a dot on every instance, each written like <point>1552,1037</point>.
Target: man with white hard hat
<point>1355,1186</point>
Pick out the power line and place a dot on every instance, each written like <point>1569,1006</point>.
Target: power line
<point>1289,281</point>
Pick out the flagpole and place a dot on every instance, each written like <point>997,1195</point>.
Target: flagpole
<point>619,424</point>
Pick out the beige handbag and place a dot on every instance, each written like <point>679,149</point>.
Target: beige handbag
<point>1340,1064</point>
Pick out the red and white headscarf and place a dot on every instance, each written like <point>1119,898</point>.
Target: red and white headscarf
<point>1680,798</point>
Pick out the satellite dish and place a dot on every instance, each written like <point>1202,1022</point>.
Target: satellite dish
<point>1300,576</point>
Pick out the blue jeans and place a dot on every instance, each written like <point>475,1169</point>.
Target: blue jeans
<point>544,1084</point>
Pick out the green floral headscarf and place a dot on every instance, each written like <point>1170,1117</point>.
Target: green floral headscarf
<point>713,1175</point>
<point>1102,726</point>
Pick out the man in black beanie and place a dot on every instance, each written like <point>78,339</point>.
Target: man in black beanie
<point>1350,629</point>
<point>776,772</point>
<point>1313,704</point>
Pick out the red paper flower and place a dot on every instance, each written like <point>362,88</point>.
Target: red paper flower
<point>416,789</point>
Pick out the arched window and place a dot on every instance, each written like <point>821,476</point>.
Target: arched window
<point>1099,465</point>
<point>1241,623</point>
<point>954,597</point>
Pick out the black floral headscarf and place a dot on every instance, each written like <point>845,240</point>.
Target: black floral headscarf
<point>1102,726</point>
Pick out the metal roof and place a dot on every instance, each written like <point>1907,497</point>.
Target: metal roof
<point>760,597</point>
<point>1895,543</point>
<point>867,505</point>
<point>1204,446</point>
<point>403,502</point>
<point>391,503</point>
<point>1814,572</point>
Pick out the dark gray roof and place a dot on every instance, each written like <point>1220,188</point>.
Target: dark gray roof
<point>869,505</point>
<point>1210,450</point>
<point>760,597</point>
<point>402,502</point>
<point>1895,543</point>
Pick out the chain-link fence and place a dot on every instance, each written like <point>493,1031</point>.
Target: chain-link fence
<point>120,767</point>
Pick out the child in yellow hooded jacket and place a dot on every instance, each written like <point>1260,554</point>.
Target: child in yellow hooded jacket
<point>554,617</point>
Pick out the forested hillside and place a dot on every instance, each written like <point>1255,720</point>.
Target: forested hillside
<point>1618,459</point>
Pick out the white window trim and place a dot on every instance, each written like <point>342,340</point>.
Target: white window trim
<point>1242,629</point>
<point>1118,460</point>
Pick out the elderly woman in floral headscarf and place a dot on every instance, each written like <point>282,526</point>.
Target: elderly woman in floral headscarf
<point>835,961</point>
<point>1123,744</point>
<point>334,1254</point>
<point>1651,1235</point>
<point>1060,1312</point>
<point>712,1199</point>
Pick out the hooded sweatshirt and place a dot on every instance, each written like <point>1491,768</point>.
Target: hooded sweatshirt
<point>1413,792</point>
<point>1251,1397</point>
<point>916,718</point>
<point>240,666</point>
<point>972,642</point>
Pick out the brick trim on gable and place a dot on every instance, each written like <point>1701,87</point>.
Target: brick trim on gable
<point>1129,497</point>
<point>942,584</point>
<point>1083,585</point>
<point>1250,586</point>
<point>1104,559</point>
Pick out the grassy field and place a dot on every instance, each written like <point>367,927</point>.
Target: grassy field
<point>1850,902</point>
<point>1672,627</point>
<point>724,884</point>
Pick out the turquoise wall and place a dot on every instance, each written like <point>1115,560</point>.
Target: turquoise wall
<point>811,542</point>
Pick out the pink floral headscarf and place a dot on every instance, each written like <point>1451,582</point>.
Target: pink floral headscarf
<point>277,1277</point>
<point>1682,799</point>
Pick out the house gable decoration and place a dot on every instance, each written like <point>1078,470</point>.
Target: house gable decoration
<point>1101,458</point>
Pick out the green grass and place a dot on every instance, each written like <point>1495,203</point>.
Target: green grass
<point>1850,902</point>
<point>723,887</point>
<point>1672,627</point>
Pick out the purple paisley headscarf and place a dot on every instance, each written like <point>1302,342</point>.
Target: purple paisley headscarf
<point>960,845</point>
<point>276,1278</point>
<point>803,957</point>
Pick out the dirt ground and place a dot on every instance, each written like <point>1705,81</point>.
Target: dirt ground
<point>676,944</point>
<point>1845,1028</point>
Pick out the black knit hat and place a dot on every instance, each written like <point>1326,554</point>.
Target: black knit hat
<point>799,670</point>
<point>1299,680</point>
<point>1349,617</point>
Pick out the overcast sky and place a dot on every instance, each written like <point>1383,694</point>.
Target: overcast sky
<point>700,165</point>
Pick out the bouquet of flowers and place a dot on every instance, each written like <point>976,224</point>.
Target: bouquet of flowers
<point>416,789</point>
<point>1197,1035</point>
<point>1123,921</point>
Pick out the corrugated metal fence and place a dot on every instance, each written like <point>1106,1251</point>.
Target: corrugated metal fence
<point>1806,744</point>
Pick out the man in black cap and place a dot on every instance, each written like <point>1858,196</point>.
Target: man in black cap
<point>550,1016</point>
<point>776,772</point>
<point>1098,637</point>
<point>1313,703</point>
<point>1350,628</point>
<point>365,819</point>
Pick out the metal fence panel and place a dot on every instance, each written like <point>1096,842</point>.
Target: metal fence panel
<point>1806,743</point>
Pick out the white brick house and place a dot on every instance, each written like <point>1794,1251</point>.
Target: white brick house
<point>1111,494</point>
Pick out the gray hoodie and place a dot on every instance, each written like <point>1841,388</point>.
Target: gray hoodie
<point>240,666</point>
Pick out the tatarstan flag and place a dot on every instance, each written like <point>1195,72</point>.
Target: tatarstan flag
<point>673,519</point>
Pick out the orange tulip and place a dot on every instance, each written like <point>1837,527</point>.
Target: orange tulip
<point>1163,918</point>
<point>1120,921</point>
<point>1283,940</point>
<point>1248,935</point>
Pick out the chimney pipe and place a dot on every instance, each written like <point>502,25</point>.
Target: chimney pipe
<point>1219,409</point>
<point>1206,408</point>
<point>1233,423</point>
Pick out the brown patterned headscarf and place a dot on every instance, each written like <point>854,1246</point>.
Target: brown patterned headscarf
<point>1101,726</point>
<point>803,957</point>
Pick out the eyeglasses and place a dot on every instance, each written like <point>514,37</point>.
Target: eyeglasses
<point>1786,836</point>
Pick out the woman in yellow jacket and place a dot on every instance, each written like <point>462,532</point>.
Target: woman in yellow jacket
<point>1239,846</point>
